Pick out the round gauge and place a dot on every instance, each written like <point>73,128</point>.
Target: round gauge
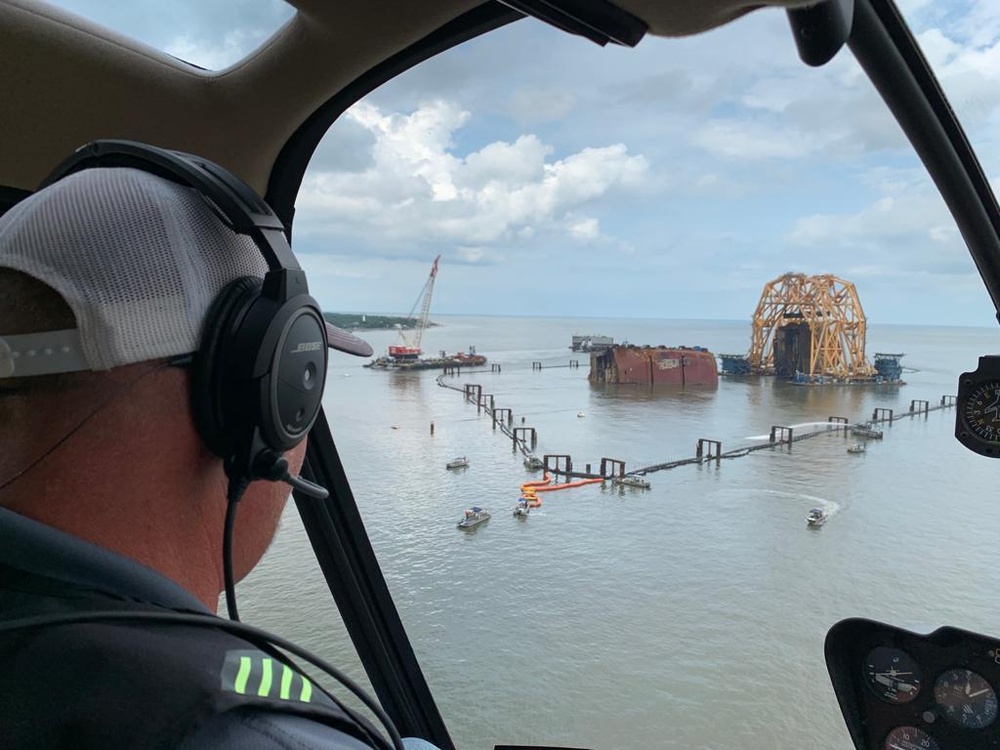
<point>981,411</point>
<point>966,698</point>
<point>910,738</point>
<point>892,675</point>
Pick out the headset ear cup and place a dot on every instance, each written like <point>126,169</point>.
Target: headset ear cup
<point>211,378</point>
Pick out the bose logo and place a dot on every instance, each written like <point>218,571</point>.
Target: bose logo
<point>309,346</point>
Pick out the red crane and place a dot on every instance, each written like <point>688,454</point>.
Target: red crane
<point>410,348</point>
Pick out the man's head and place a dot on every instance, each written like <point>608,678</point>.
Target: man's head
<point>126,266</point>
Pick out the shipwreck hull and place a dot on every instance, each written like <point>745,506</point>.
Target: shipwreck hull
<point>633,365</point>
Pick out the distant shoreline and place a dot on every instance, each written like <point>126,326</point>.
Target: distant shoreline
<point>365,322</point>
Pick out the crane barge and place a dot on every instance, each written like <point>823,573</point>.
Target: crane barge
<point>406,355</point>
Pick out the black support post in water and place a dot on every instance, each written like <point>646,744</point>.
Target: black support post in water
<point>557,463</point>
<point>841,423</point>
<point>524,434</point>
<point>781,434</point>
<point>881,414</point>
<point>612,467</point>
<point>709,449</point>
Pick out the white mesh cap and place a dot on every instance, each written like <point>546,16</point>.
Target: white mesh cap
<point>138,258</point>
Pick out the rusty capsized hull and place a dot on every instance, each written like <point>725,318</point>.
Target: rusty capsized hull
<point>654,365</point>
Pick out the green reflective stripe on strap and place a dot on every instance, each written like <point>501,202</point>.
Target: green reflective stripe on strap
<point>265,678</point>
<point>252,673</point>
<point>240,685</point>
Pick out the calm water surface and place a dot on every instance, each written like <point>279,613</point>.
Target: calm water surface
<point>691,615</point>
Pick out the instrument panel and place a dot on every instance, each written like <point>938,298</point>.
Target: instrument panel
<point>908,691</point>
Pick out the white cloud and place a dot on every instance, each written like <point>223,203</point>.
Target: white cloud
<point>478,255</point>
<point>907,230</point>
<point>747,139</point>
<point>418,192</point>
<point>540,105</point>
<point>233,47</point>
<point>584,229</point>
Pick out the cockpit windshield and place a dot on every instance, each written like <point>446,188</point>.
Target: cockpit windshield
<point>585,200</point>
<point>672,345</point>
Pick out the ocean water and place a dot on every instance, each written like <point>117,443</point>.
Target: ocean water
<point>691,615</point>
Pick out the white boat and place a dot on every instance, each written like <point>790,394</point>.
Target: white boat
<point>580,414</point>
<point>473,517</point>
<point>857,448</point>
<point>816,517</point>
<point>521,510</point>
<point>632,481</point>
<point>866,430</point>
<point>457,463</point>
<point>533,463</point>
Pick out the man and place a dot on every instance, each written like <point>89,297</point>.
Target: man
<point>110,500</point>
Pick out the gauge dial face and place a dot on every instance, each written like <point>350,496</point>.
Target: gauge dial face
<point>892,675</point>
<point>966,698</point>
<point>981,411</point>
<point>910,738</point>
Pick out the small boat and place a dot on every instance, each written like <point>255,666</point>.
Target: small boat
<point>816,517</point>
<point>533,463</point>
<point>857,448</point>
<point>632,481</point>
<point>529,497</point>
<point>866,430</point>
<point>521,510</point>
<point>457,463</point>
<point>580,414</point>
<point>473,517</point>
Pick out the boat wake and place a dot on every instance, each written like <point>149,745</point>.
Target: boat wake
<point>832,507</point>
<point>815,427</point>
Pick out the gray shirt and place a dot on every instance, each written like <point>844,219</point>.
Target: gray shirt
<point>34,554</point>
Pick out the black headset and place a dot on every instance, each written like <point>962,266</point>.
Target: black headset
<point>260,368</point>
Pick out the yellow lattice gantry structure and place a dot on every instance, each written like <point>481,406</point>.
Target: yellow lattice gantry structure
<point>809,327</point>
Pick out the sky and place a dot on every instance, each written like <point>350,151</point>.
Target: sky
<point>673,180</point>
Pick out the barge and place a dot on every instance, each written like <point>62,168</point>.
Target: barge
<point>461,359</point>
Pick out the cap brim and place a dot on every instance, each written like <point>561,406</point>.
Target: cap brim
<point>343,341</point>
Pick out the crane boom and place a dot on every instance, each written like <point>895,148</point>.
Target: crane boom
<point>425,306</point>
<point>411,349</point>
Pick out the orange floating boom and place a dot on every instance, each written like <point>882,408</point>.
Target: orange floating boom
<point>537,483</point>
<point>568,485</point>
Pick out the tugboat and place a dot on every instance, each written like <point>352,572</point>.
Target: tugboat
<point>632,481</point>
<point>816,517</point>
<point>473,517</point>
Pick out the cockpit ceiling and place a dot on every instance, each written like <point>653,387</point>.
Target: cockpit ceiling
<point>66,81</point>
<point>685,17</point>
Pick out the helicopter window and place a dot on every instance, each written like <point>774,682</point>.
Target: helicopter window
<point>648,195</point>
<point>202,34</point>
